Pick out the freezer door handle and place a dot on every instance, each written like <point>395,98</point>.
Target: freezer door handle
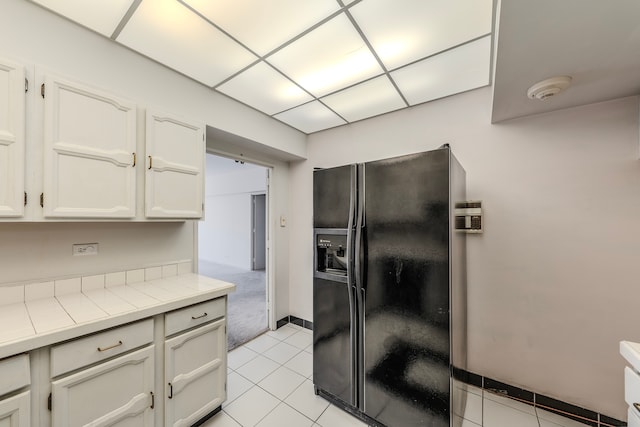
<point>352,214</point>
<point>353,338</point>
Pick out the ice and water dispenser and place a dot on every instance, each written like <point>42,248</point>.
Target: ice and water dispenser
<point>331,258</point>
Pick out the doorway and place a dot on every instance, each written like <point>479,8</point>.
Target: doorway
<point>232,242</point>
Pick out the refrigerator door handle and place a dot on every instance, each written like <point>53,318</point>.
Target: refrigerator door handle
<point>360,344</point>
<point>359,229</point>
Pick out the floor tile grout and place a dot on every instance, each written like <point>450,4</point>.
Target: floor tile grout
<point>314,422</point>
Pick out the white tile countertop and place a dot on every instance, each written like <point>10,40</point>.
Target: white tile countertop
<point>631,351</point>
<point>41,314</point>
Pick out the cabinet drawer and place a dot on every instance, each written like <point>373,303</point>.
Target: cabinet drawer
<point>14,373</point>
<point>631,386</point>
<point>103,345</point>
<point>194,315</point>
<point>633,417</point>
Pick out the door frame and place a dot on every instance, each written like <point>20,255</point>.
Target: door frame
<point>270,242</point>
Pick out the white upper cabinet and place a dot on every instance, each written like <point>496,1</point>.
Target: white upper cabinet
<point>174,184</point>
<point>89,152</point>
<point>12,134</point>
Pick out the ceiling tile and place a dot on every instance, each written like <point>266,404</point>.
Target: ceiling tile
<point>402,32</point>
<point>310,117</point>
<point>371,98</point>
<point>451,72</point>
<point>264,88</point>
<point>328,58</point>
<point>264,25</point>
<point>102,16</point>
<point>173,35</point>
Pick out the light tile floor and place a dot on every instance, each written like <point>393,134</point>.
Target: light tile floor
<point>269,385</point>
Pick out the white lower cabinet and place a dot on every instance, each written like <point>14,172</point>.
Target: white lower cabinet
<point>109,378</point>
<point>15,411</point>
<point>118,392</point>
<point>195,373</point>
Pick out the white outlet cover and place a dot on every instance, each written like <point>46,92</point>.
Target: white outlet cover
<point>83,249</point>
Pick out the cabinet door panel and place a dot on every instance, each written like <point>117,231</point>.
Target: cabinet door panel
<point>114,393</point>
<point>89,146</point>
<point>12,130</point>
<point>196,372</point>
<point>175,160</point>
<point>15,411</point>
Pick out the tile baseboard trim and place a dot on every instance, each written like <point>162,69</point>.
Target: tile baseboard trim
<point>296,321</point>
<point>537,400</point>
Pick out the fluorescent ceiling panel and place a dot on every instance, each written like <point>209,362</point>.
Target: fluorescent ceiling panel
<point>175,36</point>
<point>264,88</point>
<point>263,25</point>
<point>310,117</point>
<point>328,58</point>
<point>451,72</point>
<point>102,16</point>
<point>402,32</point>
<point>371,98</point>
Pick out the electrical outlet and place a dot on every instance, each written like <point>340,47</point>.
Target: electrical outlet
<point>81,249</point>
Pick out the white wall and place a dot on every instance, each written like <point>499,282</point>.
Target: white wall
<point>33,36</point>
<point>30,252</point>
<point>225,236</point>
<point>553,280</point>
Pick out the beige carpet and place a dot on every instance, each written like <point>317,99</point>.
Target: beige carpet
<point>246,318</point>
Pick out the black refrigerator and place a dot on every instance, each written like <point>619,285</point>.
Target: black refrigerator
<point>389,289</point>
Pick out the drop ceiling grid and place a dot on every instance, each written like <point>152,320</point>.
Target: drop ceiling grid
<point>366,27</point>
<point>321,99</point>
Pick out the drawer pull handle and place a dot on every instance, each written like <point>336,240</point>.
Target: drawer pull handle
<point>110,347</point>
<point>153,400</point>
<point>199,317</point>
<point>637,406</point>
<point>170,391</point>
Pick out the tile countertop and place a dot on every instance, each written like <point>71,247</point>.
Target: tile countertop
<point>45,316</point>
<point>631,351</point>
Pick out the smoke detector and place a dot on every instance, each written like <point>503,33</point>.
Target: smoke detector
<point>549,87</point>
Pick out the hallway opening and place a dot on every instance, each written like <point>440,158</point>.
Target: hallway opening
<point>232,241</point>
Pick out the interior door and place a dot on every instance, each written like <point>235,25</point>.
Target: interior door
<point>259,232</point>
<point>12,131</point>
<point>174,181</point>
<point>406,290</point>
<point>89,152</point>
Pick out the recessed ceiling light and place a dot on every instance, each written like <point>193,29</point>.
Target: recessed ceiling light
<point>549,87</point>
